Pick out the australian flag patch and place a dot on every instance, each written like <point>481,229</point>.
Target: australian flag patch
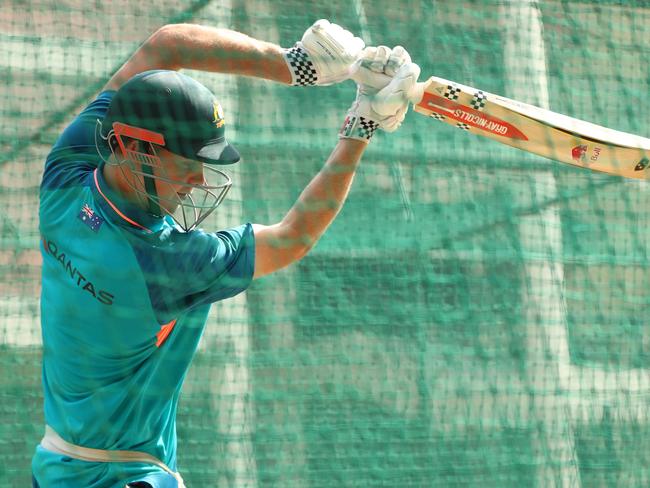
<point>90,218</point>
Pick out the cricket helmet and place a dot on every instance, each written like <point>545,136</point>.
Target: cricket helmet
<point>170,110</point>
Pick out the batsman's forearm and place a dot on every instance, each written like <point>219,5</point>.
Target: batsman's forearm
<point>220,50</point>
<point>289,240</point>
<point>322,199</point>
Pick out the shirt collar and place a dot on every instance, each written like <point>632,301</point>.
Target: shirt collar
<point>121,210</point>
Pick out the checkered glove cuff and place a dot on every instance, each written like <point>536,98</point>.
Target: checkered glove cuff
<point>303,72</point>
<point>358,127</point>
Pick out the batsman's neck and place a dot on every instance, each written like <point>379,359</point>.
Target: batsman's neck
<point>116,179</point>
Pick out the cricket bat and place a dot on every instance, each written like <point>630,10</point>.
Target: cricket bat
<point>534,129</point>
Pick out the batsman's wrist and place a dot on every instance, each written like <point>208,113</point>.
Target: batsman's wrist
<point>302,69</point>
<point>358,127</point>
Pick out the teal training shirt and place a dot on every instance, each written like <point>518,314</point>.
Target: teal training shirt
<point>125,298</point>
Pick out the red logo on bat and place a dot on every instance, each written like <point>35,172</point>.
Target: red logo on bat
<point>579,153</point>
<point>472,117</point>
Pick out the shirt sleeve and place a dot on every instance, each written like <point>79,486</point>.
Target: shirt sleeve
<point>186,270</point>
<point>74,153</point>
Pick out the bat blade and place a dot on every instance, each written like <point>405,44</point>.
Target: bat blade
<point>536,130</point>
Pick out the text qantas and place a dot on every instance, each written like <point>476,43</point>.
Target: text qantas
<point>53,250</point>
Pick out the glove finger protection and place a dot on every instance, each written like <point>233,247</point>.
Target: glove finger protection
<point>376,67</point>
<point>384,109</point>
<point>369,70</point>
<point>398,57</point>
<point>391,99</point>
<point>375,58</point>
<point>325,55</point>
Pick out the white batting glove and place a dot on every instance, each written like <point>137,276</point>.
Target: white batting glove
<point>382,98</point>
<point>393,100</point>
<point>376,67</point>
<point>325,55</point>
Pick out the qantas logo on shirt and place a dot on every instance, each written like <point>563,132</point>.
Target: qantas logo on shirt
<point>84,284</point>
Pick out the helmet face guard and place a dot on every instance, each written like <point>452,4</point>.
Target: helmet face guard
<point>149,171</point>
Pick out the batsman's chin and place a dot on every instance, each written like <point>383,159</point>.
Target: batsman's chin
<point>170,207</point>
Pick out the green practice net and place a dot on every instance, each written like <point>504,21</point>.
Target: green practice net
<point>476,316</point>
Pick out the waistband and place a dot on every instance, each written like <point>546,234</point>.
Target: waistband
<point>53,442</point>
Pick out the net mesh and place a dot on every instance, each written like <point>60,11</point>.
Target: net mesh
<point>476,315</point>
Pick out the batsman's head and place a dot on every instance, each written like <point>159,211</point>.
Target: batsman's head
<point>166,132</point>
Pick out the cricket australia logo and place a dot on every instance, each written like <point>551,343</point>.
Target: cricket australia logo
<point>219,119</point>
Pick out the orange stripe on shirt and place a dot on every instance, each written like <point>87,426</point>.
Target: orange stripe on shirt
<point>164,332</point>
<point>117,211</point>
